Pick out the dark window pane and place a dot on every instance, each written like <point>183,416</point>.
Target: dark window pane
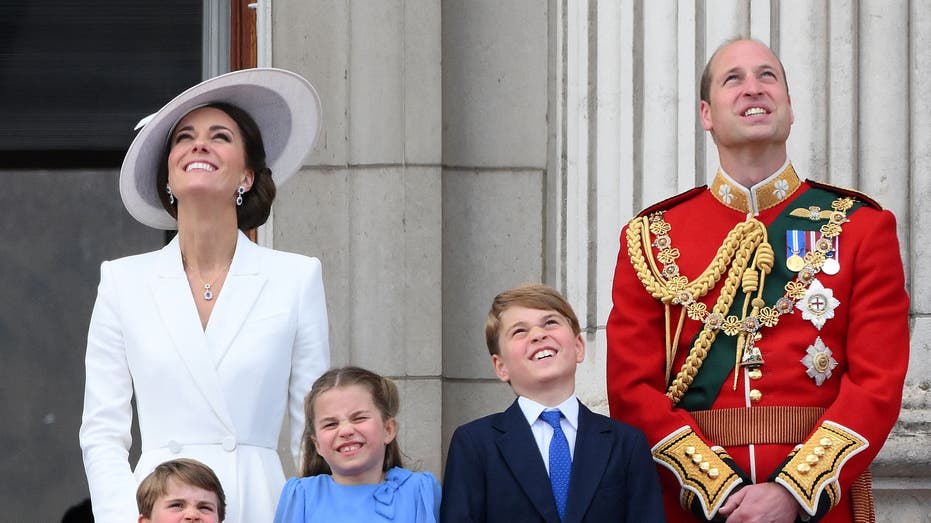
<point>77,76</point>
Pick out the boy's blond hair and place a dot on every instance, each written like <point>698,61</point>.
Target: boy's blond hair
<point>532,296</point>
<point>183,470</point>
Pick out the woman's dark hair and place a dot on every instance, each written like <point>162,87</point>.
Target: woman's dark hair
<point>385,397</point>
<point>257,203</point>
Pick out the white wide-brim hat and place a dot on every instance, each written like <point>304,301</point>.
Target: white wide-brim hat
<point>283,104</point>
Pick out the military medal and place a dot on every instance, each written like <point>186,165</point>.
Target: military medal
<point>819,362</point>
<point>831,265</point>
<point>817,304</point>
<point>795,243</point>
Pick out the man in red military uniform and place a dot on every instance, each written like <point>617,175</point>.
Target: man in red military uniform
<point>759,334</point>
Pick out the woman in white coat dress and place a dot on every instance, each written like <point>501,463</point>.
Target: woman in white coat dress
<point>216,336</point>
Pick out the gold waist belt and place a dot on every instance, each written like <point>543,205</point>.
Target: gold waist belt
<point>757,425</point>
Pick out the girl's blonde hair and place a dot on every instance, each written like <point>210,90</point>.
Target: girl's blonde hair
<point>384,396</point>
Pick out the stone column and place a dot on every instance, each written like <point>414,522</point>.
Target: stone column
<point>496,125</point>
<point>368,201</point>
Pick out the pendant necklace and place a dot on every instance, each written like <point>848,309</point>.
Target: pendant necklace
<point>208,294</point>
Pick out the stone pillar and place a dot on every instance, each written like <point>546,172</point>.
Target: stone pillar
<point>496,125</point>
<point>368,201</point>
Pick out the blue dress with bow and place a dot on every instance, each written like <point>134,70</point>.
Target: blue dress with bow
<point>404,497</point>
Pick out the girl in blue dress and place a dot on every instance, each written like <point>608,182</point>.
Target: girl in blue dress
<point>352,468</point>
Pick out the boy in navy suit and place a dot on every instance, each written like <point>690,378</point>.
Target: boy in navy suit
<point>547,457</point>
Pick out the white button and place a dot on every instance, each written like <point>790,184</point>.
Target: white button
<point>229,443</point>
<point>174,447</point>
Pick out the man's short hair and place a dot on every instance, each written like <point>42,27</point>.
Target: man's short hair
<point>705,83</point>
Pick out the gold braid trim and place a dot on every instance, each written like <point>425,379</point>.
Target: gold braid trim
<point>700,469</point>
<point>763,260</point>
<point>747,239</point>
<point>669,287</point>
<point>814,468</point>
<point>709,332</point>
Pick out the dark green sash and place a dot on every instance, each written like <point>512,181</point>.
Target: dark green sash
<point>723,352</point>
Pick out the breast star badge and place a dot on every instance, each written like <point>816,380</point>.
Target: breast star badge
<point>818,304</point>
<point>819,362</point>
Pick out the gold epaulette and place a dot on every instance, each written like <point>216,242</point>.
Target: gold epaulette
<point>846,191</point>
<point>700,469</point>
<point>671,202</point>
<point>814,466</point>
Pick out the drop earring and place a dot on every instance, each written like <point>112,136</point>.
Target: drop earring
<point>239,193</point>
<point>171,196</point>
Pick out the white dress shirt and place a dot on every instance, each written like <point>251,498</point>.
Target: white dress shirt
<point>543,432</point>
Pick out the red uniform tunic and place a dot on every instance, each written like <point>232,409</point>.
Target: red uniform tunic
<point>840,404</point>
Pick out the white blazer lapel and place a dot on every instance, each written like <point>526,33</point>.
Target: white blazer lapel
<point>237,297</point>
<point>175,306</point>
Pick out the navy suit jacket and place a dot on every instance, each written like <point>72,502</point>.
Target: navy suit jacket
<point>495,473</point>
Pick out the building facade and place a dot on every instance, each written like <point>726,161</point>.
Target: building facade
<point>472,145</point>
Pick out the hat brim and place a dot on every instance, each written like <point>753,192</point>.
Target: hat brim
<point>284,105</point>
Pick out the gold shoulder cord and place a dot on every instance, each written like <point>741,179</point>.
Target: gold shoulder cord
<point>673,289</point>
<point>747,257</point>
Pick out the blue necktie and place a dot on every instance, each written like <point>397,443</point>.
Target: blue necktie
<point>560,461</point>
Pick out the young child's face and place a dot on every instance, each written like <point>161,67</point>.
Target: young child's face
<point>351,435</point>
<point>538,352</point>
<point>184,502</point>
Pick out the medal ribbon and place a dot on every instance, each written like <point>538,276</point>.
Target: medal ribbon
<point>796,244</point>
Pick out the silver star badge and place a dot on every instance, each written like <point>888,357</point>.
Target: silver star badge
<point>819,362</point>
<point>818,304</point>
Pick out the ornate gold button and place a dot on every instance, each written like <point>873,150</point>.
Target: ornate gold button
<point>755,395</point>
<point>755,374</point>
